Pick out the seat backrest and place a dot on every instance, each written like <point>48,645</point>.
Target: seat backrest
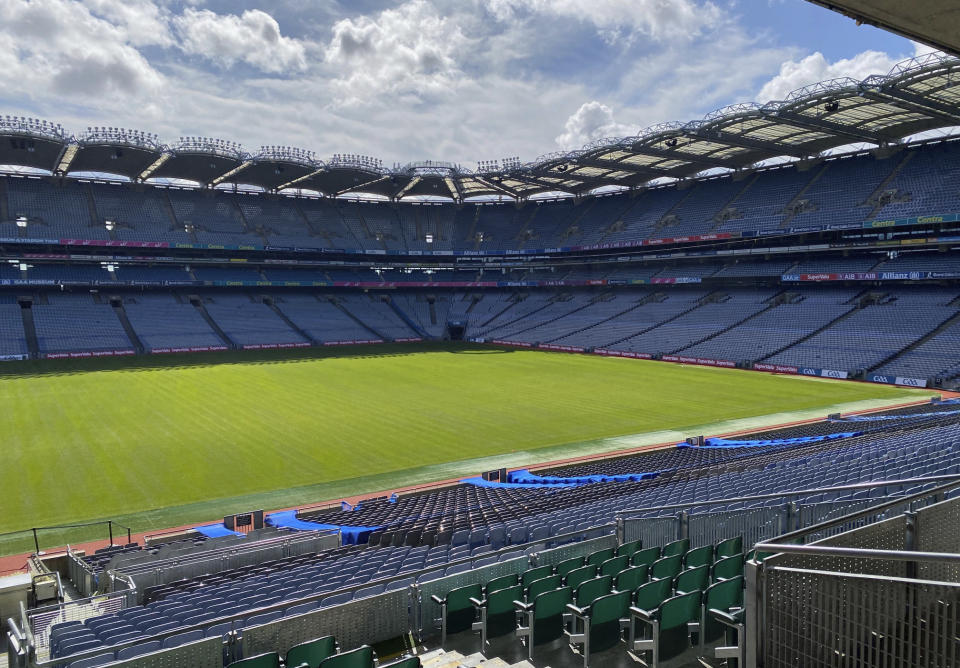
<point>600,556</point>
<point>459,598</point>
<point>729,547</point>
<point>268,660</point>
<point>630,548</point>
<point>614,565</point>
<point>580,575</point>
<point>649,596</point>
<point>548,609</point>
<point>501,582</point>
<point>631,578</point>
<point>610,607</point>
<point>701,556</point>
<point>728,567</point>
<point>667,567</point>
<point>695,579</point>
<point>647,556</point>
<point>680,610</point>
<point>568,565</point>
<point>361,657</point>
<point>676,547</point>
<point>591,590</point>
<point>311,652</point>
<point>501,601</point>
<point>537,587</point>
<point>532,574</point>
<point>722,596</point>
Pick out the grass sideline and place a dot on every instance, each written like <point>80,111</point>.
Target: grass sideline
<point>160,441</point>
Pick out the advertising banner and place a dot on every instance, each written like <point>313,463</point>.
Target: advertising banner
<point>897,380</point>
<point>622,353</point>
<point>90,353</point>
<point>566,349</point>
<point>190,349</point>
<point>699,360</point>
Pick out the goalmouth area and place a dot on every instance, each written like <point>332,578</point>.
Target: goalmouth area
<point>155,442</point>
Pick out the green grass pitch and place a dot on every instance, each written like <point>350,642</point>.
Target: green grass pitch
<point>160,442</point>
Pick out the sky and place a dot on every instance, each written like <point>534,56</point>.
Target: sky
<point>410,80</point>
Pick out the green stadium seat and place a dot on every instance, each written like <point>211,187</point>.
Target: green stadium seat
<point>728,567</point>
<point>669,624</point>
<point>537,587</point>
<point>579,575</point>
<point>456,610</point>
<point>724,597</point>
<point>268,660</point>
<point>600,556</point>
<point>568,565</point>
<point>614,565</point>
<point>631,578</point>
<point>311,653</point>
<point>543,617</point>
<point>600,625</point>
<point>695,579</point>
<point>667,567</point>
<point>630,548</point>
<point>701,556</point>
<point>591,590</point>
<point>729,547</point>
<point>501,582</point>
<point>498,615</point>
<point>676,547</point>
<point>646,556</point>
<point>361,657</point>
<point>532,574</point>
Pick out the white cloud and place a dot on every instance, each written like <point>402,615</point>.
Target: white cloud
<point>58,48</point>
<point>411,50</point>
<point>795,74</point>
<point>658,19</point>
<point>253,37</point>
<point>591,121</point>
<point>142,22</point>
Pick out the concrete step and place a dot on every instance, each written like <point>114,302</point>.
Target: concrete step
<point>444,660</point>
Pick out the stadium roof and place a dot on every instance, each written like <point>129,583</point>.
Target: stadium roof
<point>917,95</point>
<point>934,22</point>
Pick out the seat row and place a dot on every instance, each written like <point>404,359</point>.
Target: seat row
<point>323,653</point>
<point>590,598</point>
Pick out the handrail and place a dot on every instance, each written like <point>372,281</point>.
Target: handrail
<point>778,495</point>
<point>313,597</point>
<point>873,510</point>
<point>225,550</point>
<point>858,552</point>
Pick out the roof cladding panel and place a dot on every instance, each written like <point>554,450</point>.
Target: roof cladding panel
<point>200,167</point>
<point>332,181</point>
<point>271,174</point>
<point>114,158</point>
<point>30,151</point>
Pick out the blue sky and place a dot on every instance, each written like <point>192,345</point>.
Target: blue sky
<point>458,80</point>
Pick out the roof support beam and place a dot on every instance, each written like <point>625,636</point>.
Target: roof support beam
<point>770,147</point>
<point>824,125</point>
<point>532,180</point>
<point>299,179</point>
<point>923,105</point>
<point>65,158</point>
<point>410,184</point>
<point>669,154</point>
<point>618,166</point>
<point>360,186</point>
<point>233,172</point>
<point>499,187</point>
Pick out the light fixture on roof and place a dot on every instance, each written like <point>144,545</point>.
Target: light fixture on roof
<point>831,106</point>
<point>672,142</point>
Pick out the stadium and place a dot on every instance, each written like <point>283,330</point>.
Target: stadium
<point>688,397</point>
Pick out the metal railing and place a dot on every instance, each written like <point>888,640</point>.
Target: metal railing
<point>884,592</point>
<point>682,520</point>
<point>153,572</point>
<point>356,618</point>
